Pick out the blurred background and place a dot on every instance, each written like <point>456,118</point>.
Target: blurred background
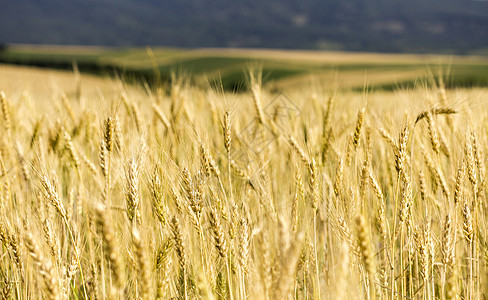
<point>447,26</point>
<point>149,40</point>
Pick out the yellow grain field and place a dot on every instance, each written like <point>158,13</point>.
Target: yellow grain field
<point>114,191</point>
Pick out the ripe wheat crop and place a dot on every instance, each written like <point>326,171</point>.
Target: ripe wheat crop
<point>185,192</point>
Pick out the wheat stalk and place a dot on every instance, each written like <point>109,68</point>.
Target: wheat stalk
<point>110,245</point>
<point>6,113</point>
<point>434,112</point>
<point>133,199</point>
<point>142,264</point>
<point>357,130</point>
<point>46,270</point>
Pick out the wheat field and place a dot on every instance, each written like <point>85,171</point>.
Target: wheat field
<point>184,192</point>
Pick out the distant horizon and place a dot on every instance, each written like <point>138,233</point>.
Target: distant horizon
<point>39,46</point>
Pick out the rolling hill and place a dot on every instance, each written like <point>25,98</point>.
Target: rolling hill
<point>282,69</point>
